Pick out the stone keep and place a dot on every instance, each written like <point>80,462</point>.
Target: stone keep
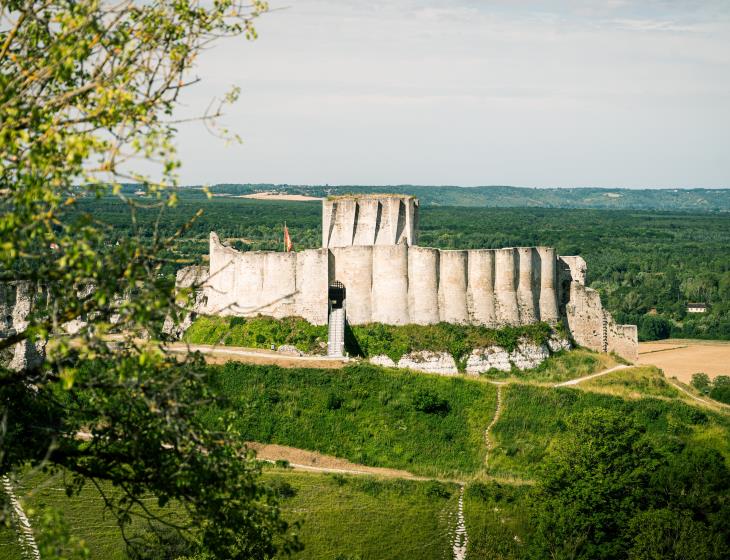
<point>369,244</point>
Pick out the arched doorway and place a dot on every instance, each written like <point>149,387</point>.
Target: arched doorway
<point>336,319</point>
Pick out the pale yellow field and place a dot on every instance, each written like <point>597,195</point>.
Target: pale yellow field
<point>276,196</point>
<point>682,358</point>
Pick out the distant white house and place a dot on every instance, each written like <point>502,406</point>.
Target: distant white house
<point>696,308</point>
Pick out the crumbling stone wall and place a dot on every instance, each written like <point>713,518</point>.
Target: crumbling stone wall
<point>17,300</point>
<point>392,284</point>
<point>589,324</point>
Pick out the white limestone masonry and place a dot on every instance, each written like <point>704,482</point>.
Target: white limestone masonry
<point>369,243</point>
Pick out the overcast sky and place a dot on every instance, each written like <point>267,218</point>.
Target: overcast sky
<point>534,93</point>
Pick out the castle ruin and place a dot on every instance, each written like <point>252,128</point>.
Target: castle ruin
<point>370,269</point>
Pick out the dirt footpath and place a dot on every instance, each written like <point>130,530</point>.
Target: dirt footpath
<point>223,354</point>
<point>682,358</point>
<point>301,459</point>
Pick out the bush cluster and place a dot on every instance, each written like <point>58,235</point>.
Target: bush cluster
<point>718,389</point>
<point>457,340</point>
<point>366,341</point>
<point>258,332</point>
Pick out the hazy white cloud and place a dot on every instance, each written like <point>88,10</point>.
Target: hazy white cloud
<point>465,92</point>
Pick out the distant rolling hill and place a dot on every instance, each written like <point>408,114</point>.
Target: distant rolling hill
<point>696,199</point>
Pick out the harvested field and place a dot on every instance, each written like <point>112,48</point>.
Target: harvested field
<point>682,358</point>
<point>278,196</point>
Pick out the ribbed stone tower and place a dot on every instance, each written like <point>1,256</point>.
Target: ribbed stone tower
<point>379,219</point>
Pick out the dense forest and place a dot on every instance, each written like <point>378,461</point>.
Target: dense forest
<point>704,200</point>
<point>647,264</point>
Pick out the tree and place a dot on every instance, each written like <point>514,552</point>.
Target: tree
<point>87,88</point>
<point>652,327</point>
<point>607,493</point>
<point>592,484</point>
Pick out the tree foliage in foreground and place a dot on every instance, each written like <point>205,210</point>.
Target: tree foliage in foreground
<point>87,89</point>
<point>608,493</point>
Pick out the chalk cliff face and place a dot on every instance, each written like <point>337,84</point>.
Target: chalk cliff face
<point>369,245</point>
<point>527,355</point>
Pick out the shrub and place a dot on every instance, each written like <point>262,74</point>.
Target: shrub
<point>339,479</point>
<point>652,327</point>
<point>283,489</point>
<point>722,381</point>
<point>436,489</point>
<point>701,382</point>
<point>485,492</point>
<point>721,393</point>
<point>159,542</point>
<point>425,400</point>
<point>334,402</point>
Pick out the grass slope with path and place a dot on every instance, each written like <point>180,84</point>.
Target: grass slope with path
<point>425,424</point>
<point>533,417</point>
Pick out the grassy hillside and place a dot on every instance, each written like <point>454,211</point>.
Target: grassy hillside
<point>533,417</point>
<point>385,519</point>
<point>634,382</point>
<point>349,518</point>
<point>497,520</point>
<point>425,424</point>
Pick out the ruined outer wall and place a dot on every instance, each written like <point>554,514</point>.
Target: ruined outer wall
<point>589,324</point>
<point>398,284</point>
<point>369,220</point>
<point>269,283</point>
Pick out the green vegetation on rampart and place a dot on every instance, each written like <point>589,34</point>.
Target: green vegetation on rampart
<point>429,425</point>
<point>395,341</point>
<point>361,340</point>
<point>258,332</point>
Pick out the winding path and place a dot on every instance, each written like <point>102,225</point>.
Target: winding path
<point>25,531</point>
<point>498,411</point>
<point>715,405</point>
<point>578,380</point>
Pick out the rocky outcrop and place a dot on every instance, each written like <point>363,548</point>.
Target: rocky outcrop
<point>430,362</point>
<point>484,359</point>
<point>527,355</point>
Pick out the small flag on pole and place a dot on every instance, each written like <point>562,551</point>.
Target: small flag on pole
<point>287,240</point>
